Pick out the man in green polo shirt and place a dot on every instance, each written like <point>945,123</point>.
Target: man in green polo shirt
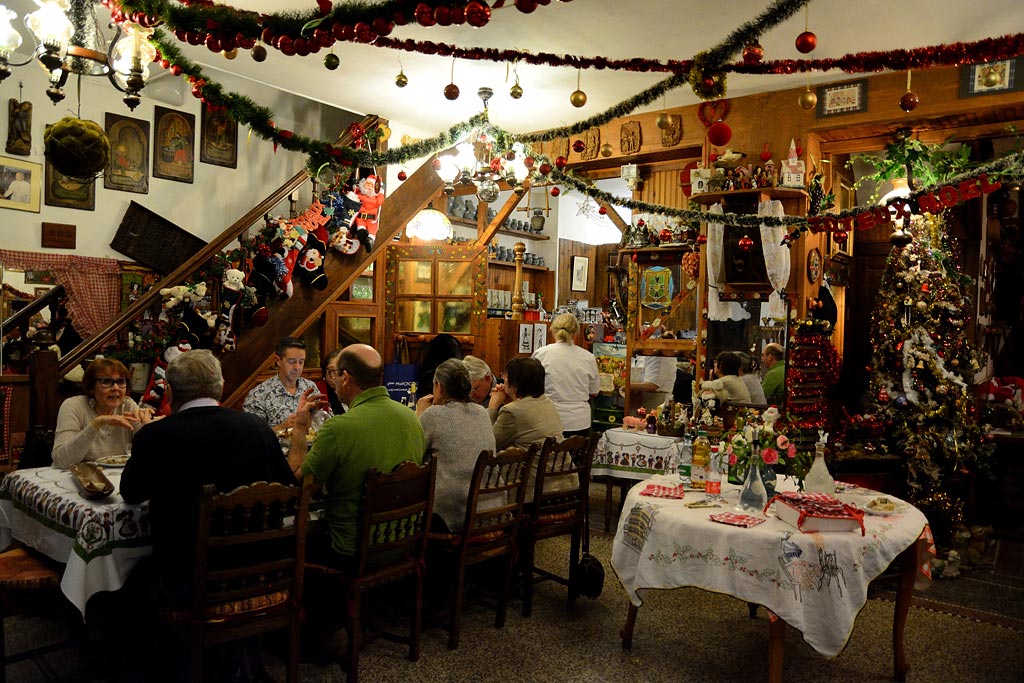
<point>773,380</point>
<point>375,432</point>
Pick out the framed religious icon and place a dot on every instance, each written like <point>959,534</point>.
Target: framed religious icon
<point>992,78</point>
<point>218,138</point>
<point>128,167</point>
<point>814,265</point>
<point>68,191</point>
<point>21,183</point>
<point>843,98</point>
<point>174,141</point>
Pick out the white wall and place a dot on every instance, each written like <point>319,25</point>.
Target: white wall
<point>589,226</point>
<point>217,198</point>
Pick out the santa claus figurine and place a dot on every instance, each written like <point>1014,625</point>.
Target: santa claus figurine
<point>371,196</point>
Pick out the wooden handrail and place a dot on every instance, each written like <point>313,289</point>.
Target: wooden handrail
<point>24,315</point>
<point>181,273</point>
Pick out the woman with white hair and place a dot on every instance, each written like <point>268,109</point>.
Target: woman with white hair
<point>481,377</point>
<point>570,376</point>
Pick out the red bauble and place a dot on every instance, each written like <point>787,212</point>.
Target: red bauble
<point>745,243</point>
<point>839,236</point>
<point>477,14</point>
<point>443,16</point>
<point>560,162</point>
<point>909,101</point>
<point>286,45</point>
<point>713,157</point>
<point>641,223</point>
<point>719,134</point>
<point>451,91</point>
<point>545,169</point>
<point>708,83</point>
<point>528,162</point>
<point>424,14</point>
<point>603,211</point>
<point>214,45</point>
<point>766,153</point>
<point>402,175</point>
<point>435,164</point>
<point>526,6</point>
<point>381,27</point>
<point>665,235</point>
<point>753,53</point>
<point>176,70</point>
<point>806,41</point>
<point>702,239</point>
<point>555,192</point>
<point>364,34</point>
<point>578,146</point>
<point>883,396</point>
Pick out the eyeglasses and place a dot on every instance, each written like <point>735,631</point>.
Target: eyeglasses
<point>332,372</point>
<point>107,382</point>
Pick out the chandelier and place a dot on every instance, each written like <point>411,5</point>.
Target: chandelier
<point>479,162</point>
<point>69,41</point>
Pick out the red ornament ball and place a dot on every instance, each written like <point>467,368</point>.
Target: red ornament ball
<point>753,53</point>
<point>526,6</point>
<point>665,235</point>
<point>708,83</point>
<point>402,175</point>
<point>560,162</point>
<point>477,14</point>
<point>545,169</point>
<point>641,223</point>
<point>719,134</point>
<point>555,192</point>
<point>424,14</point>
<point>603,211</point>
<point>528,162</point>
<point>435,164</point>
<point>745,243</point>
<point>451,91</point>
<point>578,146</point>
<point>909,101</point>
<point>702,239</point>
<point>839,236</point>
<point>806,42</point>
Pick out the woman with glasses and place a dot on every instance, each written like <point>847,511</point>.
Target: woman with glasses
<point>330,366</point>
<point>100,422</point>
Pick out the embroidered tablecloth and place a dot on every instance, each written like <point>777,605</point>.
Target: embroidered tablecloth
<point>99,540</point>
<point>816,582</point>
<point>629,454</point>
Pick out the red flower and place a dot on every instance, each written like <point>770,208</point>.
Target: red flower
<point>770,456</point>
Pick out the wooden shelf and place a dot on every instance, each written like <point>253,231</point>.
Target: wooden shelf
<point>512,264</point>
<point>504,231</point>
<point>674,345</point>
<point>771,192</point>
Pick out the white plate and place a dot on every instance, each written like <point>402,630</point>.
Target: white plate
<point>113,460</point>
<point>883,513</point>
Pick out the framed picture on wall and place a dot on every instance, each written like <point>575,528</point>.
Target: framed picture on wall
<point>128,167</point>
<point>218,138</point>
<point>174,143</point>
<point>580,272</point>
<point>992,78</point>
<point>843,98</point>
<point>21,183</point>
<point>69,192</point>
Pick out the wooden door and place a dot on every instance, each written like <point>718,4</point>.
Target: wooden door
<point>865,281</point>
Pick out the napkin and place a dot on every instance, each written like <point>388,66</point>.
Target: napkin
<point>736,520</point>
<point>659,491</point>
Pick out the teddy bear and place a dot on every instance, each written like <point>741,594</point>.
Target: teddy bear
<point>231,295</point>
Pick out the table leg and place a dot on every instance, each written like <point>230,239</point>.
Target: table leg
<point>608,504</point>
<point>626,634</point>
<point>904,596</point>
<point>776,647</point>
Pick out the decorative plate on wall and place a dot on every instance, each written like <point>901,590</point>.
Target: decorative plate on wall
<point>813,265</point>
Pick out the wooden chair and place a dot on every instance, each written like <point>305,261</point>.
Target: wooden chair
<point>557,513</point>
<point>391,546</point>
<point>248,569</point>
<point>490,529</point>
<point>24,573</point>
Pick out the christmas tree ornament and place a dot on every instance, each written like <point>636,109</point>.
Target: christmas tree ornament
<point>753,53</point>
<point>230,54</point>
<point>451,91</point>
<point>516,91</point>
<point>560,162</point>
<point>990,76</point>
<point>663,120</point>
<point>806,42</point>
<point>607,150</point>
<point>331,61</point>
<point>545,169</point>
<point>526,6</point>
<point>766,153</point>
<point>529,162</point>
<point>808,99</point>
<point>719,134</point>
<point>603,210</point>
<point>477,14</point>
<point>578,146</point>
<point>402,175</point>
<point>259,54</point>
<point>665,235</point>
<point>745,244</point>
<point>578,98</point>
<point>401,80</point>
<point>839,236</point>
<point>555,192</point>
<point>910,100</point>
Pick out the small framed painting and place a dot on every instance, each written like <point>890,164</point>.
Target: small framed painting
<point>580,273</point>
<point>992,78</point>
<point>218,138</point>
<point>525,338</point>
<point>68,191</point>
<point>843,98</point>
<point>174,142</point>
<point>21,183</point>
<point>128,167</point>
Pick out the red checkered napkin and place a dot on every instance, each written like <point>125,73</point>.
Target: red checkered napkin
<point>735,519</point>
<point>659,491</point>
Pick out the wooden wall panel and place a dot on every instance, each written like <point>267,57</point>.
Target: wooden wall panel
<point>661,187</point>
<point>566,250</point>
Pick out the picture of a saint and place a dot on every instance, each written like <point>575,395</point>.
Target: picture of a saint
<point>174,144</point>
<point>128,168</point>
<point>218,140</point>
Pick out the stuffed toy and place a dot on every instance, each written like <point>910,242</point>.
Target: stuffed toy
<point>156,391</point>
<point>183,294</point>
<point>346,206</point>
<point>231,294</point>
<point>196,328</point>
<point>311,260</point>
<point>261,280</point>
<point>365,225</point>
<point>289,243</point>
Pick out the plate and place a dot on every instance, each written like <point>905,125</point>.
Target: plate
<point>113,460</point>
<point>897,509</point>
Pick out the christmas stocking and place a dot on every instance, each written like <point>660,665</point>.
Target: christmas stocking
<point>345,208</point>
<point>261,279</point>
<point>291,241</point>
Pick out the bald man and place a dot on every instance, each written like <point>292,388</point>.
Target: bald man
<point>375,432</point>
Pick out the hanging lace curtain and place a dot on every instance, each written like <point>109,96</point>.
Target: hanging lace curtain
<point>777,258</point>
<point>719,310</point>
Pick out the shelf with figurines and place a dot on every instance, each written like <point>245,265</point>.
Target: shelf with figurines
<point>463,211</point>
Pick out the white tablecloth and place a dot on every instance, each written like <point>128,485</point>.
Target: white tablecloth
<point>816,582</point>
<point>629,454</point>
<point>99,540</point>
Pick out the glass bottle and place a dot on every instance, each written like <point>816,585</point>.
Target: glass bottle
<point>701,456</point>
<point>753,496</point>
<point>818,479</point>
<point>770,478</point>
<point>713,475</point>
<point>410,399</point>
<point>686,460</point>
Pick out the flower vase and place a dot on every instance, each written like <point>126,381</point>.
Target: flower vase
<point>753,496</point>
<point>770,479</point>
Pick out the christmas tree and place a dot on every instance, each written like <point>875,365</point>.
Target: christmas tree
<point>922,364</point>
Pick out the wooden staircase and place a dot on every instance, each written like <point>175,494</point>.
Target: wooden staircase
<point>287,317</point>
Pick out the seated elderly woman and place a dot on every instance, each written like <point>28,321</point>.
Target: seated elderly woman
<point>100,422</point>
<point>522,415</point>
<point>457,429</point>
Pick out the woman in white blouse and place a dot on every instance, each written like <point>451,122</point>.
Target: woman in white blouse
<point>570,376</point>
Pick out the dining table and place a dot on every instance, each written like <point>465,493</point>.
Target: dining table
<point>623,456</point>
<point>817,582</point>
<point>99,541</point>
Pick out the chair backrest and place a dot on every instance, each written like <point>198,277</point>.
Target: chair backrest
<point>395,519</point>
<point>250,544</point>
<point>562,459</point>
<point>496,494</point>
